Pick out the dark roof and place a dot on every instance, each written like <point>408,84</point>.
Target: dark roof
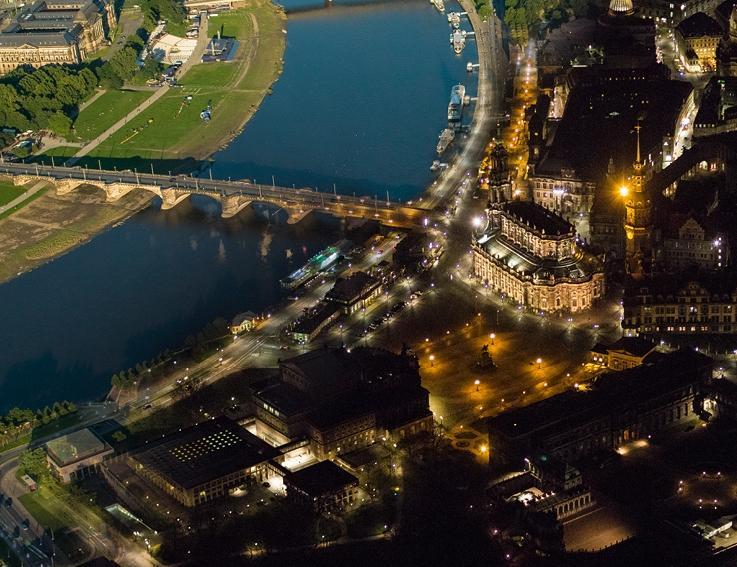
<point>322,478</point>
<point>75,446</point>
<point>308,324</point>
<point>331,367</point>
<point>608,393</point>
<point>699,25</point>
<point>636,346</point>
<point>209,450</point>
<point>352,288</point>
<point>284,397</point>
<point>538,217</point>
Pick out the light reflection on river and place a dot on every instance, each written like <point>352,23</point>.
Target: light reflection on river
<point>360,103</point>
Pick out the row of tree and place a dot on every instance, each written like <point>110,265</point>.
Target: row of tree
<point>49,97</point>
<point>21,416</point>
<point>521,15</point>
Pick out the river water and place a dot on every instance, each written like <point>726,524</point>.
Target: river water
<point>360,103</point>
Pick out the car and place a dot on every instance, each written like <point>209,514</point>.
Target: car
<point>25,524</point>
<point>147,406</point>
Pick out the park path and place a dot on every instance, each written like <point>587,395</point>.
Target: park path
<point>22,197</point>
<point>92,99</point>
<point>202,40</point>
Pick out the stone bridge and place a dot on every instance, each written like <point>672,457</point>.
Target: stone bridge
<point>233,196</point>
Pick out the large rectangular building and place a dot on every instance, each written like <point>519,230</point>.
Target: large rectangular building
<point>203,462</point>
<point>617,408</point>
<point>56,31</point>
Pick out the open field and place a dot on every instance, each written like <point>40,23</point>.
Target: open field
<point>172,129</point>
<point>45,508</point>
<point>8,192</point>
<point>106,111</point>
<point>51,225</point>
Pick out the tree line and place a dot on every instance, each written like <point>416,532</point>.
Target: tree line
<point>48,98</point>
<point>521,15</point>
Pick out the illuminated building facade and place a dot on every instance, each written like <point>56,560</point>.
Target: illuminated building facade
<point>531,255</point>
<point>56,31</point>
<point>637,220</point>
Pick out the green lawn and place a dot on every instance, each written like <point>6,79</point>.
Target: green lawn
<point>8,192</point>
<point>46,508</point>
<point>172,126</point>
<point>106,111</point>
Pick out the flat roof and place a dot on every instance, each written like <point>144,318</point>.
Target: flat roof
<point>322,478</point>
<point>206,451</point>
<point>75,446</point>
<point>352,288</point>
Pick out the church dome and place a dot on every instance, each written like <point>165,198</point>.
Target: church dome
<point>621,8</point>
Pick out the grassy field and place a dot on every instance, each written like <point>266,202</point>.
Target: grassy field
<point>8,192</point>
<point>106,111</point>
<point>46,508</point>
<point>172,128</point>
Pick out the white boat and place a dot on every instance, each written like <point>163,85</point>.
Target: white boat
<point>445,139</point>
<point>439,4</point>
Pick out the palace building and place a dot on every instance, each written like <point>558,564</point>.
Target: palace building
<point>56,31</point>
<point>531,254</point>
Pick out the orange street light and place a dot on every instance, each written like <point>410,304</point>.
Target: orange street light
<point>624,191</point>
<point>492,336</point>
<point>432,360</point>
<point>539,361</point>
<point>478,383</point>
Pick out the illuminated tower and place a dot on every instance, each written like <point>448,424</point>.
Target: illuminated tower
<point>638,220</point>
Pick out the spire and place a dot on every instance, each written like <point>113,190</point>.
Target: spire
<point>638,127</point>
<point>637,177</point>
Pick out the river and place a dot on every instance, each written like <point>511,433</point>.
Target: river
<point>360,103</point>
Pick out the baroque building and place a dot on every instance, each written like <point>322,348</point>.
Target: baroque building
<point>56,31</point>
<point>530,254</point>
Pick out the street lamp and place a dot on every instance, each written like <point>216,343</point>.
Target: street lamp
<point>492,336</point>
<point>478,383</point>
<point>539,362</point>
<point>432,360</point>
<point>624,191</point>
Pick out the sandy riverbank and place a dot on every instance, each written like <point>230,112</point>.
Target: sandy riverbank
<point>52,225</point>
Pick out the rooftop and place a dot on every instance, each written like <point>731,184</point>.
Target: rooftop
<point>699,25</point>
<point>606,394</point>
<point>636,346</point>
<point>322,478</point>
<point>352,288</point>
<point>538,217</point>
<point>209,450</point>
<point>75,446</point>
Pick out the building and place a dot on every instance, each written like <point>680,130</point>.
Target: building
<point>686,304</point>
<point>617,408</point>
<point>531,255</point>
<point>354,292</point>
<point>718,107</point>
<point>341,399</point>
<point>76,455</point>
<point>697,39</point>
<point>562,190</point>
<point>324,487</point>
<point>204,462</point>
<point>312,323</point>
<point>494,174</point>
<point>690,245</point>
<point>727,51</point>
<point>627,352</point>
<point>638,220</point>
<point>243,322</point>
<point>56,31</point>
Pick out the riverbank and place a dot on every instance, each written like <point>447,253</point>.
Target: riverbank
<point>171,128</point>
<point>52,225</point>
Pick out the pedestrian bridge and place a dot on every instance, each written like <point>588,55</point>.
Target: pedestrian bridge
<point>233,196</point>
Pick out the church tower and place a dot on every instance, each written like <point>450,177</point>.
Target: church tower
<point>500,177</point>
<point>638,220</point>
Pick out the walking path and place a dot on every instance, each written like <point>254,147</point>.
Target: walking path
<point>92,99</point>
<point>202,41</point>
<point>20,198</point>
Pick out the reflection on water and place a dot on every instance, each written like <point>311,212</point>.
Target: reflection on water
<point>360,104</point>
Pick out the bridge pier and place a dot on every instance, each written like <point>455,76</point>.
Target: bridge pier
<point>170,198</point>
<point>233,204</point>
<point>115,191</point>
<point>296,215</point>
